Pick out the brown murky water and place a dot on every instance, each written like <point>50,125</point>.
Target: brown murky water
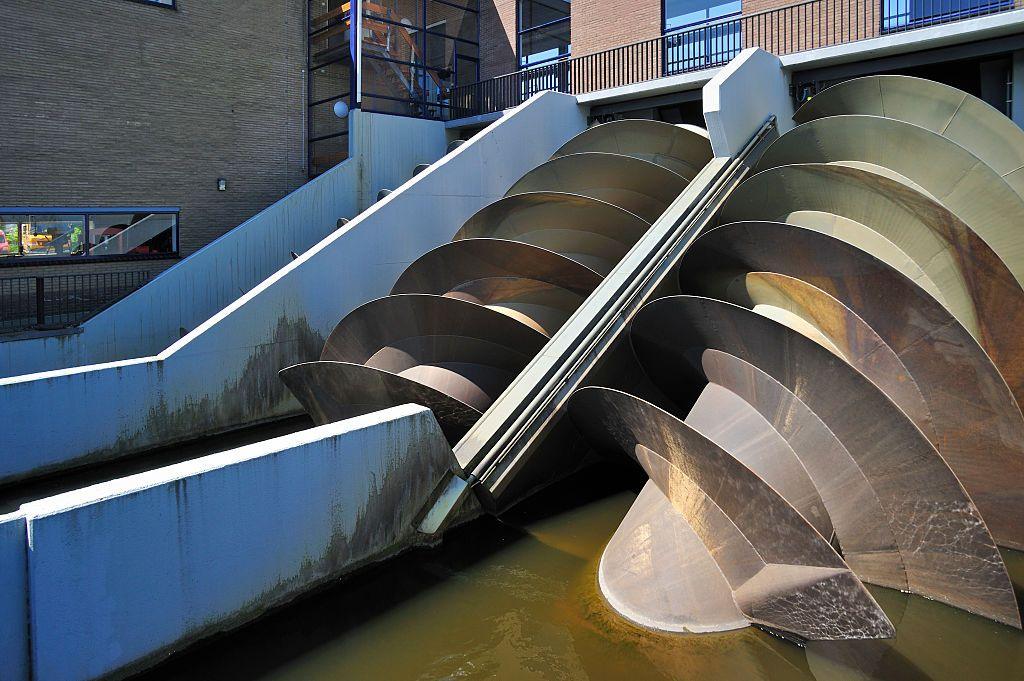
<point>518,599</point>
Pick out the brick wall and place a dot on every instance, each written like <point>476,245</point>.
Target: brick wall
<point>497,37</point>
<point>111,102</point>
<point>599,25</point>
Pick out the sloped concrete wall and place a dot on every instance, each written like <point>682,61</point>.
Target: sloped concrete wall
<point>123,572</point>
<point>384,150</point>
<point>14,665</point>
<point>224,373</point>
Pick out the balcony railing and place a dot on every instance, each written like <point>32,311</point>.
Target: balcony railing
<point>61,300</point>
<point>784,30</point>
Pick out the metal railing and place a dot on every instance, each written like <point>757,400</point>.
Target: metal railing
<point>61,300</point>
<point>784,30</point>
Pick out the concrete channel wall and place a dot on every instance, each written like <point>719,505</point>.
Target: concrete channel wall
<point>384,150</point>
<point>223,374</point>
<point>13,598</point>
<point>121,573</point>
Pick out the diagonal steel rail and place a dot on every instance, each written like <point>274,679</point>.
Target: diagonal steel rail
<point>501,443</point>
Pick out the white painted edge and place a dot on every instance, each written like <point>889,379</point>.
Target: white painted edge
<point>259,289</point>
<point>146,480</point>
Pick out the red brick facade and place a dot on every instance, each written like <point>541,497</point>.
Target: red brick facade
<point>497,38</point>
<point>599,25</point>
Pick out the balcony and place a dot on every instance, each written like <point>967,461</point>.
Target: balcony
<point>784,30</point>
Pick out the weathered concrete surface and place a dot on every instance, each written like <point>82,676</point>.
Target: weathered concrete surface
<point>14,664</point>
<point>740,96</point>
<point>384,150</point>
<point>123,572</point>
<point>224,373</point>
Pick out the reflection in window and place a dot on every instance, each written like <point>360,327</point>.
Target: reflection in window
<point>35,235</point>
<point>415,52</point>
<point>681,13</point>
<point>899,14</point>
<point>88,234</point>
<point>132,233</point>
<point>544,33</point>
<point>702,47</point>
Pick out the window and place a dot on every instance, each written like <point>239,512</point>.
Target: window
<point>682,13</point>
<point>88,233</point>
<point>695,40</point>
<point>544,34</point>
<point>902,14</point>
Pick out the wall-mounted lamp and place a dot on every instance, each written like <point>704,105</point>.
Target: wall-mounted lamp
<point>222,184</point>
<point>340,109</point>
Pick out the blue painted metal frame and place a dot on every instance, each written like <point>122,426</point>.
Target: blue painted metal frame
<point>520,31</point>
<point>156,3</point>
<point>28,261</point>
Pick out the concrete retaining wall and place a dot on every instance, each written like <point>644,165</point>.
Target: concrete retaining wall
<point>740,96</point>
<point>384,151</point>
<point>123,572</point>
<point>224,373</point>
<point>14,664</point>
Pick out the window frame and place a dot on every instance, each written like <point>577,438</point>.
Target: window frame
<point>157,3</point>
<point>665,30</point>
<point>520,32</point>
<point>22,260</point>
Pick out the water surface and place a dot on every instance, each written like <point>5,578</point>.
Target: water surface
<point>518,599</point>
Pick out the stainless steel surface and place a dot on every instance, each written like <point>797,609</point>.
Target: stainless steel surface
<point>943,169</point>
<point>639,186</point>
<point>657,572</point>
<point>977,425</point>
<point>683,151</point>
<point>961,117</point>
<point>538,287</point>
<point>594,233</point>
<point>331,391</point>
<point>946,549</point>
<point>783,574</point>
<point>908,231</point>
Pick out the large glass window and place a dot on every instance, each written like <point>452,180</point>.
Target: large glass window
<point>695,39</point>
<point>95,233</point>
<point>415,52</point>
<point>682,13</point>
<point>900,14</point>
<point>544,33</point>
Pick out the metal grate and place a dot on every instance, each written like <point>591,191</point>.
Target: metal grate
<point>61,300</point>
<point>784,30</point>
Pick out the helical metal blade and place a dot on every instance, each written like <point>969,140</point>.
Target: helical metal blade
<point>978,425</point>
<point>641,187</point>
<point>681,150</point>
<point>331,391</point>
<point>861,523</point>
<point>783,574</point>
<point>594,233</point>
<point>433,350</point>
<point>922,239</point>
<point>948,555</point>
<point>944,170</point>
<point>536,286</point>
<point>731,423</point>
<point>656,571</point>
<point>956,115</point>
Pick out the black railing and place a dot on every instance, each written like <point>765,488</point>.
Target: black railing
<point>784,30</point>
<point>61,300</point>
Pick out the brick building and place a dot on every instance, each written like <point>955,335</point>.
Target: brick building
<point>124,117</point>
<point>134,132</point>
